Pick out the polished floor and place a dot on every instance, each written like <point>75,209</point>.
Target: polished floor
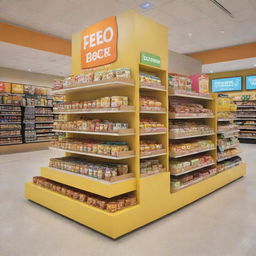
<point>221,224</point>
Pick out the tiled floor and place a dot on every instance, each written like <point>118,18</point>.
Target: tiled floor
<point>221,224</point>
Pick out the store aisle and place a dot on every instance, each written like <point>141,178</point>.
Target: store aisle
<point>222,223</point>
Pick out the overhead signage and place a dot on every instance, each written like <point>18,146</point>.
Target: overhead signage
<point>227,84</point>
<point>250,82</point>
<point>150,59</point>
<point>99,44</point>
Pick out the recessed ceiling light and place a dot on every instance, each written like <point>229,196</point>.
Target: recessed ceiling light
<point>211,71</point>
<point>29,69</point>
<point>145,5</point>
<point>190,34</point>
<point>254,65</point>
<point>222,31</point>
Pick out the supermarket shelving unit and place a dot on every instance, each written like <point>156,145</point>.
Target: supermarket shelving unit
<point>229,134</point>
<point>5,111</point>
<point>246,129</point>
<point>208,102</point>
<point>154,198</point>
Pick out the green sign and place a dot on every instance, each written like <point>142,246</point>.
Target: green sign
<point>150,59</point>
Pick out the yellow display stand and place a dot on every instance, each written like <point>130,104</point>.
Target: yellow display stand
<point>136,34</point>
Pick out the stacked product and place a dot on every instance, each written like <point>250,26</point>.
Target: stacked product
<point>149,125</point>
<point>246,117</point>
<point>99,170</point>
<point>150,147</point>
<point>150,104</point>
<point>150,167</point>
<point>227,133</point>
<point>150,81</point>
<point>110,205</point>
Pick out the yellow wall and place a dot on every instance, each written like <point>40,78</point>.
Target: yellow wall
<point>242,73</point>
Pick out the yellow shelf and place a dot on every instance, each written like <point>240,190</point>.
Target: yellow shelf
<point>124,132</point>
<point>128,109</point>
<point>95,155</point>
<point>192,153</point>
<point>187,137</point>
<point>101,85</point>
<point>93,185</point>
<point>189,96</point>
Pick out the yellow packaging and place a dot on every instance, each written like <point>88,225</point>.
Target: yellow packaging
<point>17,88</point>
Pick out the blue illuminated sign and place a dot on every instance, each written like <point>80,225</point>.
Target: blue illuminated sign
<point>250,82</point>
<point>227,84</point>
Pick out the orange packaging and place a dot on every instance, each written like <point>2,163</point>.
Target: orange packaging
<point>99,44</point>
<point>7,87</point>
<point>17,88</point>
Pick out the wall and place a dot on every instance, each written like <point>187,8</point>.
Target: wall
<point>23,77</point>
<point>182,64</point>
<point>242,73</point>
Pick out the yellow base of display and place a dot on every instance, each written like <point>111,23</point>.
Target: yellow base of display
<point>155,201</point>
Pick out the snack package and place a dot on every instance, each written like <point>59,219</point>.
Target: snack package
<point>17,88</point>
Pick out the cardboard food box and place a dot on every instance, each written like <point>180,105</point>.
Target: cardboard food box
<point>200,83</point>
<point>17,88</point>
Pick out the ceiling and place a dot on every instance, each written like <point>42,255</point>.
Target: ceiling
<point>28,59</point>
<point>194,25</point>
<point>249,63</point>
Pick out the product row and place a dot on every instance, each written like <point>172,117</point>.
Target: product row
<point>6,119</point>
<point>43,111</point>
<point>247,134</point>
<point>193,146</point>
<point>9,133</point>
<point>10,126</point>
<point>188,128</point>
<point>226,115</point>
<point>148,147</point>
<point>188,109</point>
<point>196,85</point>
<point>224,144</point>
<point>9,108</point>
<point>89,125</point>
<point>11,140</point>
<point>185,180</point>
<point>103,102</point>
<point>190,163</point>
<point>226,127</point>
<point>110,205</point>
<point>92,146</point>
<point>99,170</point>
<point>227,164</point>
<point>148,125</point>
<point>88,78</point>
<point>228,153</point>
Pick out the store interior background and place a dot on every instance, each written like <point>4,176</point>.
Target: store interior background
<point>202,39</point>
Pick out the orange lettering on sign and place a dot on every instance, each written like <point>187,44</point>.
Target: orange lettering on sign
<point>99,44</point>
